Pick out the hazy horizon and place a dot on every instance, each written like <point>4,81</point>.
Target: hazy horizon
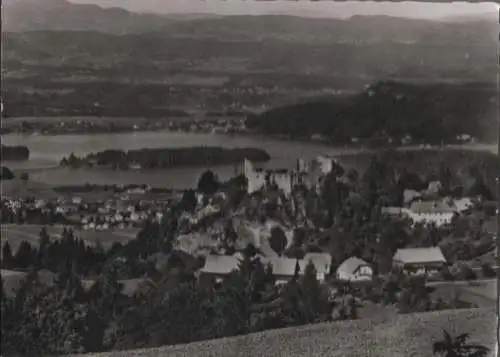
<point>323,9</point>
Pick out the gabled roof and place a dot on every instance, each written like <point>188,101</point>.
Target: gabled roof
<point>432,207</point>
<point>282,266</point>
<point>420,255</point>
<point>321,261</point>
<point>350,265</point>
<point>220,264</point>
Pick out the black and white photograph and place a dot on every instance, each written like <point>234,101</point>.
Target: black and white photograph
<point>225,178</point>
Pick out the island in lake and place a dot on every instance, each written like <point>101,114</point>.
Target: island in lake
<point>162,158</point>
<point>15,153</point>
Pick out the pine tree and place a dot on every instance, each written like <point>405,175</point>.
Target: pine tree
<point>25,255</point>
<point>42,251</point>
<point>7,258</point>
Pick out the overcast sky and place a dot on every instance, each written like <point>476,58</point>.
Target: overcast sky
<point>302,8</point>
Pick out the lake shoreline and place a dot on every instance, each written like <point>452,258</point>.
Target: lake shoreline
<point>47,151</point>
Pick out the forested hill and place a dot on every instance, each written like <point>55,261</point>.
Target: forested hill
<point>427,113</point>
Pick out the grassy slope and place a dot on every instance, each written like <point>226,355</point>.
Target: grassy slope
<point>407,335</point>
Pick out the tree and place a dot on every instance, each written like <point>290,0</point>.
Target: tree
<point>208,183</point>
<point>466,273</point>
<point>57,327</point>
<point>305,299</point>
<point>188,201</point>
<point>25,255</point>
<point>43,249</point>
<point>488,271</point>
<point>7,258</point>
<point>6,174</point>
<point>238,187</point>
<point>414,297</point>
<point>278,240</point>
<point>458,347</point>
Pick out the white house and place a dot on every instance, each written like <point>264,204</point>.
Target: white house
<point>436,218</point>
<point>354,269</point>
<point>437,212</point>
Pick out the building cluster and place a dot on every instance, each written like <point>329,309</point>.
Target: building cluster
<point>116,213</point>
<point>217,126</point>
<point>438,211</point>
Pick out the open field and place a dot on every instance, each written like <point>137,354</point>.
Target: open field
<point>15,234</point>
<point>482,294</point>
<point>487,290</point>
<point>18,188</point>
<point>405,336</point>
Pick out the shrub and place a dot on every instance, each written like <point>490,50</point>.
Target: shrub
<point>488,271</point>
<point>466,273</point>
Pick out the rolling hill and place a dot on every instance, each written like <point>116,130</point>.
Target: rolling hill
<point>61,15</point>
<point>406,335</point>
<point>432,112</point>
<point>61,58</point>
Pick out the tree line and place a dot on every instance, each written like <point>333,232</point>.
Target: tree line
<point>15,153</point>
<point>166,157</point>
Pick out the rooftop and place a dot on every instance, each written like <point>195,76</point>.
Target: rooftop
<point>419,255</point>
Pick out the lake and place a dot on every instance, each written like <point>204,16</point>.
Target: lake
<point>46,152</point>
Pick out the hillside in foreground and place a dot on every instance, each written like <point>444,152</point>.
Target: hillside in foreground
<point>407,335</point>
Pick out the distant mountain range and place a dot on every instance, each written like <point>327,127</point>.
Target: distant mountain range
<point>61,15</point>
<point>81,56</point>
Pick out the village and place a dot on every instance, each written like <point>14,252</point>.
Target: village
<point>275,218</point>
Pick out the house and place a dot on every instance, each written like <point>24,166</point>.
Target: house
<point>436,212</point>
<point>355,270</point>
<point>283,268</point>
<point>441,206</point>
<point>419,261</point>
<point>321,261</point>
<point>436,218</point>
<point>219,266</point>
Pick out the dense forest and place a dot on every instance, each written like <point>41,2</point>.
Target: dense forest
<point>428,114</point>
<point>15,153</point>
<point>166,157</point>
